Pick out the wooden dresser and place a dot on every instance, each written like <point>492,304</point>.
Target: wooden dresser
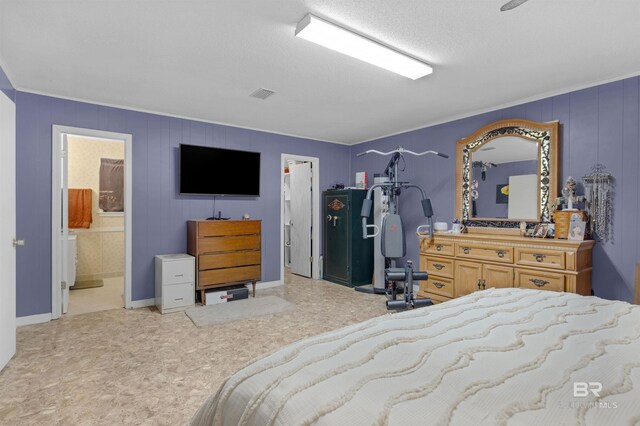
<point>226,251</point>
<point>460,264</point>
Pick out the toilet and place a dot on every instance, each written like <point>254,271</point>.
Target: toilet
<point>71,260</point>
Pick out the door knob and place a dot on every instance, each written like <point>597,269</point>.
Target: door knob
<point>17,243</point>
<point>335,219</point>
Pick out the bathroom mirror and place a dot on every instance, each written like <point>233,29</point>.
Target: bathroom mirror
<point>506,173</point>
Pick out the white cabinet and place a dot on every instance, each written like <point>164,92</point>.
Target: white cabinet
<point>175,284</point>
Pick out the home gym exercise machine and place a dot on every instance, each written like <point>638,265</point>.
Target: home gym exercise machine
<point>391,231</point>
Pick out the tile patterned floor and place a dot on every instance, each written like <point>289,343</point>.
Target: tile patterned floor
<point>86,300</point>
<point>140,367</point>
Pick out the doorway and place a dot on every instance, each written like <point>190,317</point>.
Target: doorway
<point>91,221</point>
<point>300,215</point>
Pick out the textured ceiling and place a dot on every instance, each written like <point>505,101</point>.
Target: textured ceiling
<point>202,59</point>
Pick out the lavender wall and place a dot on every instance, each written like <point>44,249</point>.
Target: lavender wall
<point>486,203</point>
<point>598,124</point>
<point>159,213</point>
<point>6,86</point>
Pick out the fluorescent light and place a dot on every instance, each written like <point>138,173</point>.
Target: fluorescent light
<point>336,38</point>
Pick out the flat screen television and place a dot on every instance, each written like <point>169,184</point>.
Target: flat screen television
<point>216,171</point>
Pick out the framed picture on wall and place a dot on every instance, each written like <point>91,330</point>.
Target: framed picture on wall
<point>502,193</point>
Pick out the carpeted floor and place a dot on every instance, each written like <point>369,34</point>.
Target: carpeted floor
<point>140,367</point>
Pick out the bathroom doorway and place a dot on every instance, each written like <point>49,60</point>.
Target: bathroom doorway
<point>91,260</point>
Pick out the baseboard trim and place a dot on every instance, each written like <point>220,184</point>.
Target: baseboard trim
<point>142,303</point>
<point>33,319</point>
<point>266,284</point>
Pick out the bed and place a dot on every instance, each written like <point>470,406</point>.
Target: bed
<point>498,356</point>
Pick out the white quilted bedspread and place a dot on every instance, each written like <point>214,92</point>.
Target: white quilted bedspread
<point>499,356</point>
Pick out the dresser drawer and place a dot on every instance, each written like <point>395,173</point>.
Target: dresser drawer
<point>175,296</point>
<point>229,275</point>
<point>219,228</point>
<point>178,271</point>
<point>540,258</point>
<point>539,280</point>
<point>442,248</point>
<point>438,285</point>
<point>491,252</point>
<point>228,260</point>
<point>437,266</point>
<point>220,244</point>
<point>435,298</point>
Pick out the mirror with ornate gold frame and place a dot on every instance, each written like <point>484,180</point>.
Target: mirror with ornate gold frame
<point>501,146</point>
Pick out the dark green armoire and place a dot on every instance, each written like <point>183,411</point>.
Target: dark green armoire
<point>348,258</point>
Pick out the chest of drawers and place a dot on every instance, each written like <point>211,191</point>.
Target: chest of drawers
<point>460,264</point>
<point>226,251</point>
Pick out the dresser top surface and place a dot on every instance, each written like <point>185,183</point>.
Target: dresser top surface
<point>225,221</point>
<point>511,238</point>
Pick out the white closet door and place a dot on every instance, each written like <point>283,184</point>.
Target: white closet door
<point>301,197</point>
<point>7,230</point>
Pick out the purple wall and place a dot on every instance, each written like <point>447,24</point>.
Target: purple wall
<point>159,213</point>
<point>6,86</point>
<point>486,202</point>
<point>598,124</point>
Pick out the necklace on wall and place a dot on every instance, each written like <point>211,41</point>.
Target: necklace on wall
<point>598,188</point>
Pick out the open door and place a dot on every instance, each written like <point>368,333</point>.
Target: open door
<point>64,237</point>
<point>301,215</point>
<point>8,242</point>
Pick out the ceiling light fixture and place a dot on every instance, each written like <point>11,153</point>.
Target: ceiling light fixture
<point>336,38</point>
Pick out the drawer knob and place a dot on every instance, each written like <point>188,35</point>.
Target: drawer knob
<point>539,257</point>
<point>501,253</point>
<point>466,250</point>
<point>438,266</point>
<point>439,247</point>
<point>538,282</point>
<point>439,285</point>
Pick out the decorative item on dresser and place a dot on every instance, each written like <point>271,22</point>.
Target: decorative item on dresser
<point>460,264</point>
<point>227,252</point>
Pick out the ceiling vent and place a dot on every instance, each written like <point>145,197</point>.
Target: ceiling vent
<point>262,93</point>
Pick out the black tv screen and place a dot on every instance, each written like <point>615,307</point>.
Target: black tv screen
<point>217,171</point>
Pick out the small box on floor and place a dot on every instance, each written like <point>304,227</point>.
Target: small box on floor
<point>225,294</point>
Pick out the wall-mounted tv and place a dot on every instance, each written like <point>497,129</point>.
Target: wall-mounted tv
<point>216,171</point>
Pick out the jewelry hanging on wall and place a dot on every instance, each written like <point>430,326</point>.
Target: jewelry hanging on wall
<point>598,188</point>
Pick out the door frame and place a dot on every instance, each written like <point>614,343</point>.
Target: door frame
<point>56,207</point>
<point>315,211</point>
